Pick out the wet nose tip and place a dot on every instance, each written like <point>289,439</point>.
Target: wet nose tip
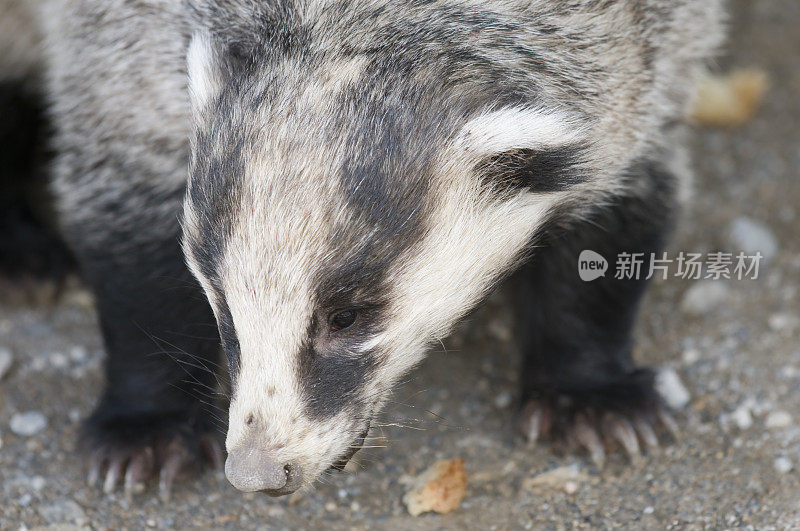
<point>252,469</point>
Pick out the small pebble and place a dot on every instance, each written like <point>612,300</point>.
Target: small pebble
<point>751,236</point>
<point>330,507</point>
<point>38,483</point>
<point>780,322</point>
<point>59,360</point>
<point>276,512</point>
<point>690,356</point>
<point>79,354</point>
<point>783,465</point>
<point>6,359</point>
<point>28,423</point>
<point>649,509</point>
<point>778,419</point>
<point>742,417</point>
<point>705,296</point>
<point>671,389</point>
<point>503,400</point>
<point>63,512</point>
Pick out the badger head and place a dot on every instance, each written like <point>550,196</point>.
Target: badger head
<point>343,212</point>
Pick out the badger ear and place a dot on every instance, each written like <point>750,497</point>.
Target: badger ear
<point>204,67</point>
<point>526,149</point>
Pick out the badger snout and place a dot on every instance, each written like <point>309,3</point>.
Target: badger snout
<point>251,469</point>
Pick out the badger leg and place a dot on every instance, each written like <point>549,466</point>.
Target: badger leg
<point>34,264</point>
<point>156,415</point>
<point>580,386</point>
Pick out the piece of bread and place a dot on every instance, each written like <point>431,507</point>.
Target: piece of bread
<point>440,488</point>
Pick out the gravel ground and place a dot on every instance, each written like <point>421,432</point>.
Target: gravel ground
<point>733,344</point>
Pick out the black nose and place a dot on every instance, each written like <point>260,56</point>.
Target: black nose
<point>251,469</point>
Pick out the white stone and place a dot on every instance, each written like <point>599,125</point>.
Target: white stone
<point>28,423</point>
<point>59,360</point>
<point>751,236</point>
<point>705,296</point>
<point>783,465</point>
<point>690,356</point>
<point>783,322</point>
<point>503,400</point>
<point>79,354</point>
<point>671,389</point>
<point>778,419</point>
<point>742,417</point>
<point>63,512</point>
<point>38,483</point>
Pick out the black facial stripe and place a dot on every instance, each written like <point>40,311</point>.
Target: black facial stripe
<point>227,332</point>
<point>214,194</point>
<point>550,170</point>
<point>331,382</point>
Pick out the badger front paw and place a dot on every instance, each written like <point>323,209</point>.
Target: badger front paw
<point>626,414</point>
<point>137,449</point>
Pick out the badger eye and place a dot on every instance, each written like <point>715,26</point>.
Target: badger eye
<point>342,319</point>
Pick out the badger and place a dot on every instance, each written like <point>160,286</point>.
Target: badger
<point>321,189</point>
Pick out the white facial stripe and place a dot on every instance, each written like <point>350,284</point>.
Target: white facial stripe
<point>204,84</point>
<point>467,244</point>
<point>519,128</point>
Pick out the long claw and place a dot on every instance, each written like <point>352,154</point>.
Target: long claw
<point>622,431</point>
<point>96,462</point>
<point>646,432</point>
<point>176,457</point>
<point>587,436</point>
<point>666,419</point>
<point>113,474</point>
<point>139,468</point>
<point>531,423</point>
